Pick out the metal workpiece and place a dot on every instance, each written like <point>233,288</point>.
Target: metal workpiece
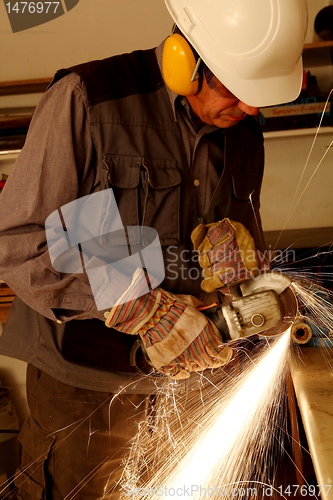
<point>301,332</point>
<point>311,372</point>
<point>314,326</point>
<point>309,334</point>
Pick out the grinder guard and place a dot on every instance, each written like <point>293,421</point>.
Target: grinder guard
<point>264,306</point>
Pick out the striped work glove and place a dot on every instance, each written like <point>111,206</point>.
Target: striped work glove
<point>227,254</point>
<point>177,338</point>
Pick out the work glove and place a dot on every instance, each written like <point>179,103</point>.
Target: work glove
<point>227,254</point>
<point>177,338</point>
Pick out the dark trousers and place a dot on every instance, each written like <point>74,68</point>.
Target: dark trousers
<point>74,440</point>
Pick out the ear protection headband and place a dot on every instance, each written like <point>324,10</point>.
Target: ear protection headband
<point>179,66</point>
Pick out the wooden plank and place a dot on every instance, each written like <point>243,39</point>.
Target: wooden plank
<point>17,87</point>
<point>5,290</point>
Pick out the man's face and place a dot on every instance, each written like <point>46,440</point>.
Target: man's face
<point>214,104</point>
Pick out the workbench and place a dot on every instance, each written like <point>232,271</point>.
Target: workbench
<point>312,376</point>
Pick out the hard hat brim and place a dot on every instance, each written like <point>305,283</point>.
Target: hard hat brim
<point>269,91</point>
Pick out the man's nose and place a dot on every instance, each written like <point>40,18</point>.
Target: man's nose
<point>249,110</point>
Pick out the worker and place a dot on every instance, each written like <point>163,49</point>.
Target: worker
<point>171,133</point>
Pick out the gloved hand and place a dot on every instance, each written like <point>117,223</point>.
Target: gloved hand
<point>177,338</point>
<point>227,254</point>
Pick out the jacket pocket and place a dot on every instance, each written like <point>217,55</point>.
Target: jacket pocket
<point>246,187</point>
<point>246,204</point>
<point>36,449</point>
<point>147,191</point>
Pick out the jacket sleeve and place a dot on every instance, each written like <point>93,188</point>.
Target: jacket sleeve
<point>57,165</point>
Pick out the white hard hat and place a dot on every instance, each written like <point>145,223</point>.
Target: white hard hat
<point>254,47</point>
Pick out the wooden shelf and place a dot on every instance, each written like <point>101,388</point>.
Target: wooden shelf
<point>299,238</point>
<point>318,45</point>
<point>298,132</point>
<point>18,87</point>
<point>318,53</point>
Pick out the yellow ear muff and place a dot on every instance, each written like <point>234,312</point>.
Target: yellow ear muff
<point>178,65</point>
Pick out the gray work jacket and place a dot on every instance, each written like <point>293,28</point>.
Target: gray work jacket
<point>140,155</point>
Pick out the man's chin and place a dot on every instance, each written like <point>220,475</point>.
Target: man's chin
<point>225,123</point>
